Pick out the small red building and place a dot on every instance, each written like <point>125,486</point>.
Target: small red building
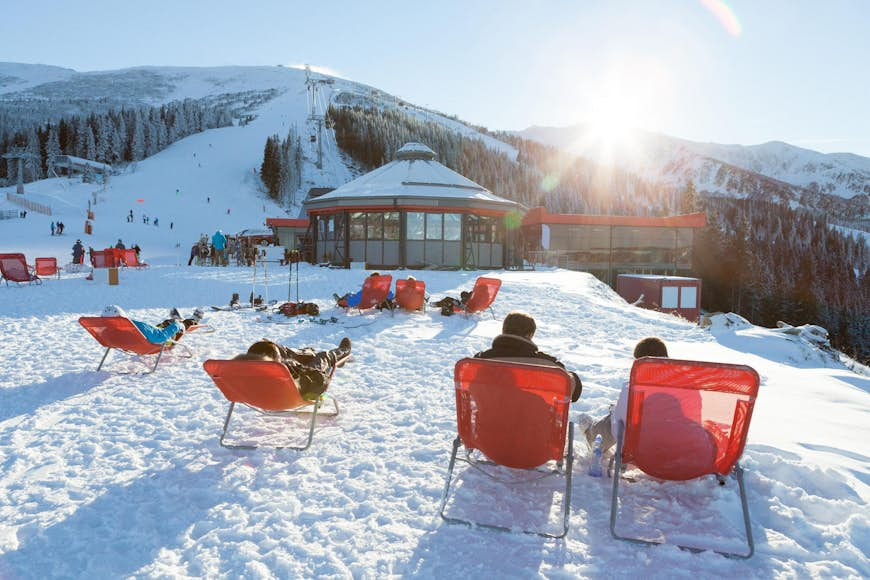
<point>673,294</point>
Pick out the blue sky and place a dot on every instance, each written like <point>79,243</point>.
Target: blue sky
<point>790,70</point>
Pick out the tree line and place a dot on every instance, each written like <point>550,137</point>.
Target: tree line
<point>769,262</point>
<point>115,137</point>
<point>281,170</point>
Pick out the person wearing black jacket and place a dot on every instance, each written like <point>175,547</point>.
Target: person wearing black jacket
<point>515,342</point>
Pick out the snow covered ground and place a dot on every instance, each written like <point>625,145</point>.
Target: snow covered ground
<point>105,474</point>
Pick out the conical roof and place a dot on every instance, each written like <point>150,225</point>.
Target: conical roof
<point>414,178</point>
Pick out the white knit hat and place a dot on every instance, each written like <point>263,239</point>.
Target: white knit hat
<point>114,310</point>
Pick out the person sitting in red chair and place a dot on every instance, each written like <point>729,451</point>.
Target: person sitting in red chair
<point>515,342</point>
<point>607,426</point>
<point>170,329</point>
<point>310,369</point>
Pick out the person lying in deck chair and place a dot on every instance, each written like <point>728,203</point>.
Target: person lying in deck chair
<point>448,303</point>
<point>352,299</point>
<point>515,342</point>
<point>310,369</point>
<point>607,426</point>
<point>170,329</point>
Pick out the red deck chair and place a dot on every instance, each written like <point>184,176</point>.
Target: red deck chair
<point>14,268</point>
<point>129,259</point>
<point>103,258</point>
<point>121,334</point>
<point>516,414</point>
<point>47,267</point>
<point>410,294</point>
<point>374,291</point>
<point>686,419</point>
<point>482,296</point>
<point>268,388</point>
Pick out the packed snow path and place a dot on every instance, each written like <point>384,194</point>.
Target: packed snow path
<point>109,475</point>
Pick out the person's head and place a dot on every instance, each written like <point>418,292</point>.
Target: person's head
<point>264,350</point>
<point>114,310</point>
<point>411,278</point>
<point>519,324</point>
<point>78,241</point>
<point>650,346</point>
<point>374,274</point>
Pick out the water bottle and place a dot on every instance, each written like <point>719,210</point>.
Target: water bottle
<point>595,466</point>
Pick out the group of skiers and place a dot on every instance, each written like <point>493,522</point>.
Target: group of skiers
<point>221,250</point>
<point>57,228</point>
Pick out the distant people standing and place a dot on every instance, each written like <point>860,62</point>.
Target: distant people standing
<point>228,211</point>
<point>144,219</point>
<point>171,224</point>
<point>52,228</point>
<point>24,214</point>
<point>194,253</point>
<point>130,216</point>
<point>59,228</point>
<point>219,243</point>
<point>208,199</point>
<point>155,221</point>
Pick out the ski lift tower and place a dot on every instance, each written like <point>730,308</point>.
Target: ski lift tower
<point>315,117</point>
<point>25,158</point>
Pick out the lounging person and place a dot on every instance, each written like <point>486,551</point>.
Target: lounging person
<point>448,303</point>
<point>310,369</point>
<point>351,299</point>
<point>515,342</point>
<point>607,427</point>
<point>172,328</point>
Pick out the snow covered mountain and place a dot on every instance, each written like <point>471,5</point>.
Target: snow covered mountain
<point>776,171</point>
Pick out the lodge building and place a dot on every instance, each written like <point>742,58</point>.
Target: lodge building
<point>416,213</point>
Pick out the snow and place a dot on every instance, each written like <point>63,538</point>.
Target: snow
<point>116,473</point>
<point>108,474</point>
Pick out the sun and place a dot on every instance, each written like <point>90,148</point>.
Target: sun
<point>630,95</point>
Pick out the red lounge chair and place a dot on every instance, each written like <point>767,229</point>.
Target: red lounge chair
<point>268,388</point>
<point>684,420</point>
<point>129,259</point>
<point>410,294</point>
<point>374,291</point>
<point>121,334</point>
<point>14,268</point>
<point>103,258</point>
<point>516,414</point>
<point>482,296</point>
<point>47,267</point>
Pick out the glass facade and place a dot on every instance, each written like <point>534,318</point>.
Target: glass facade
<point>432,239</point>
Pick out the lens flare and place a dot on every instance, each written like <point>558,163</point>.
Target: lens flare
<point>549,182</point>
<point>725,15</point>
<point>513,220</point>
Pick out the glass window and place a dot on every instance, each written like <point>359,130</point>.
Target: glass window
<point>416,222</point>
<point>669,296</point>
<point>357,226</point>
<point>433,226</point>
<point>391,225</point>
<point>452,226</point>
<point>375,226</point>
<point>688,297</point>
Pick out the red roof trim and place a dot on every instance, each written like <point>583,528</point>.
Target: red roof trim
<point>539,215</point>
<point>421,208</point>
<point>286,223</point>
